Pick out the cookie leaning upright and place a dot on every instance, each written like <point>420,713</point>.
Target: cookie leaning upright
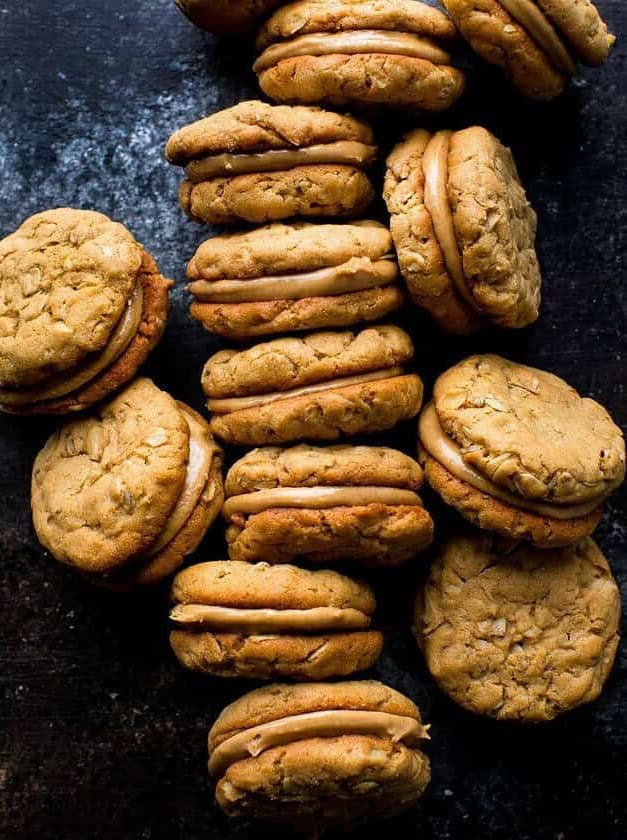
<point>261,163</point>
<point>463,229</point>
<point>338,752</point>
<point>318,387</point>
<point>226,15</point>
<point>536,42</point>
<point>372,52</point>
<point>518,451</point>
<point>82,304</point>
<point>268,622</point>
<point>124,495</point>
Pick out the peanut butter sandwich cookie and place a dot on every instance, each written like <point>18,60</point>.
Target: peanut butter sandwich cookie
<point>537,42</point>
<point>318,387</point>
<point>518,451</point>
<point>337,752</point>
<point>262,163</point>
<point>519,633</point>
<point>125,494</point>
<point>226,15</point>
<point>464,230</point>
<point>375,52</point>
<point>267,622</point>
<point>289,278</point>
<point>320,505</point>
<point>82,304</point>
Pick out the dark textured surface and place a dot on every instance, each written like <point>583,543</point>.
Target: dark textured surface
<point>101,734</point>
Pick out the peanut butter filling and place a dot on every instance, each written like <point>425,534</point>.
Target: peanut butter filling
<point>317,498</point>
<point>229,405</point>
<point>357,42</point>
<point>346,152</point>
<point>540,29</point>
<point>230,620</point>
<point>356,275</point>
<point>250,743</point>
<point>447,453</point>
<point>63,384</point>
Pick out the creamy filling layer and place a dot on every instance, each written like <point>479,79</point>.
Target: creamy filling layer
<point>326,724</point>
<point>446,452</point>
<point>357,42</point>
<point>355,275</point>
<point>344,152</point>
<point>540,29</point>
<point>64,384</point>
<point>317,498</point>
<point>228,619</point>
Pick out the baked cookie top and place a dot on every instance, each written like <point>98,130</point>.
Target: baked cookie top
<point>225,15</point>
<point>529,431</point>
<point>65,278</point>
<point>583,26</point>
<point>104,486</point>
<point>519,634</point>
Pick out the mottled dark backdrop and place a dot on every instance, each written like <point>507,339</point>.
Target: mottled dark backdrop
<point>101,734</point>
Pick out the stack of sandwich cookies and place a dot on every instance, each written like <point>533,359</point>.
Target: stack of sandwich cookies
<point>536,42</point>
<point>289,278</point>
<point>464,230</point>
<point>225,15</point>
<point>266,622</point>
<point>260,163</point>
<point>319,387</point>
<point>81,306</point>
<point>354,504</point>
<point>378,52</point>
<point>125,494</point>
<point>518,451</point>
<point>337,752</point>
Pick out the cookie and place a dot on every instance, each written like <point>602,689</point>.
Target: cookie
<point>226,15</point>
<point>355,504</point>
<point>319,387</point>
<point>82,304</point>
<point>378,52</point>
<point>337,752</point>
<point>537,42</point>
<point>260,163</point>
<point>464,230</point>
<point>124,495</point>
<point>265,622</point>
<point>289,278</point>
<point>518,451</point>
<point>519,633</point>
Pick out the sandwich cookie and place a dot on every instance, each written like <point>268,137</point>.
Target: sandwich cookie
<point>226,15</point>
<point>82,304</point>
<point>261,163</point>
<point>378,52</point>
<point>289,278</point>
<point>126,494</point>
<point>358,504</point>
<point>338,752</point>
<point>464,230</point>
<point>537,42</point>
<point>518,451</point>
<point>319,387</point>
<point>519,633</point>
<point>266,622</point>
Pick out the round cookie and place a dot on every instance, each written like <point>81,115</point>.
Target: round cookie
<point>518,451</point>
<point>519,633</point>
<point>355,504</point>
<point>81,306</point>
<point>340,753</point>
<point>379,52</point>
<point>125,494</point>
<point>236,619</point>
<point>318,387</point>
<point>290,278</point>
<point>261,163</point>
<point>536,42</point>
<point>464,230</point>
<point>225,15</point>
